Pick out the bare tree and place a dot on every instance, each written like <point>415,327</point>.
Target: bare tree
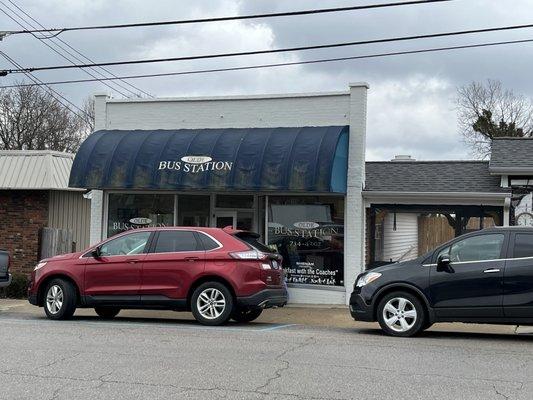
<point>487,110</point>
<point>33,119</point>
<point>88,121</point>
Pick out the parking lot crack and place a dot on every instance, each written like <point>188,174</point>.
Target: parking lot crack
<point>59,360</point>
<point>285,364</point>
<point>500,393</point>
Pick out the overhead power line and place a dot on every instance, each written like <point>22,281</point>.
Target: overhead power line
<point>269,51</point>
<point>285,64</point>
<point>69,53</point>
<point>56,95</point>
<point>57,31</point>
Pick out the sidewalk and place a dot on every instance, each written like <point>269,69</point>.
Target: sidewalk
<point>337,317</point>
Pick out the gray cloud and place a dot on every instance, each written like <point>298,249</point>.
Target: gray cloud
<point>411,101</point>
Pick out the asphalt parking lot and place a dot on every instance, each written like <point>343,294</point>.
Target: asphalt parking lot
<point>154,356</point>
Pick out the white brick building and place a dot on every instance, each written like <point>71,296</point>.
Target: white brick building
<point>290,167</point>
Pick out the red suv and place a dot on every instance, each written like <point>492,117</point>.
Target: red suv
<point>217,274</point>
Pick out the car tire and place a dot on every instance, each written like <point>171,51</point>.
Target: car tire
<point>59,299</point>
<point>212,303</point>
<point>246,314</point>
<point>401,314</point>
<point>107,312</point>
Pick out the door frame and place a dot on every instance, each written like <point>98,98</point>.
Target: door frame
<point>225,213</point>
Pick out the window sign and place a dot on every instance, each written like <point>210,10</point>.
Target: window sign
<point>309,233</point>
<point>132,211</point>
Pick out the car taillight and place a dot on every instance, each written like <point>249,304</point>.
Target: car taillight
<point>249,255</point>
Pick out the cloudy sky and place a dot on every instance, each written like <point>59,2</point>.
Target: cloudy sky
<point>411,103</point>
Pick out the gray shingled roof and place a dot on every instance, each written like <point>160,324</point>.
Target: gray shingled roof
<point>431,176</point>
<point>512,156</point>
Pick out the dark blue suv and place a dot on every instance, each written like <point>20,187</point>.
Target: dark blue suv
<point>481,277</point>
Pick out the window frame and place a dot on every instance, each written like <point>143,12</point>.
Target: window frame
<point>503,250</point>
<point>512,245</point>
<point>117,237</point>
<point>197,236</point>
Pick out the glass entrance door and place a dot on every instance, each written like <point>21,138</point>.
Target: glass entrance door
<point>226,218</point>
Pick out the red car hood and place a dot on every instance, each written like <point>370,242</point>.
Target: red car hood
<point>61,257</point>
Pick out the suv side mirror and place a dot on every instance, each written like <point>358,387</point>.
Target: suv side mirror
<point>443,262</point>
<point>96,253</point>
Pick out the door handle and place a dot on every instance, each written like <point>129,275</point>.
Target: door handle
<point>491,271</point>
<point>191,258</point>
<point>133,261</point>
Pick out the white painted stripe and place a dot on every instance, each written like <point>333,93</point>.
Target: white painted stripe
<point>131,324</point>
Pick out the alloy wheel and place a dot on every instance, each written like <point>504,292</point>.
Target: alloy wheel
<point>399,314</point>
<point>54,299</point>
<point>211,303</point>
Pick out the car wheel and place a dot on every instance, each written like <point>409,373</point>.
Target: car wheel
<point>107,312</point>
<point>401,314</point>
<point>246,314</point>
<point>212,303</point>
<point>59,299</point>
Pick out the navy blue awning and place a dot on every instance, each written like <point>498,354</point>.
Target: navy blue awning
<point>309,159</point>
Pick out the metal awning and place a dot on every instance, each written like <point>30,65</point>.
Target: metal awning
<point>307,159</point>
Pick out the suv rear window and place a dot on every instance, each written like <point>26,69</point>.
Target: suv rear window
<point>251,239</point>
<point>207,242</point>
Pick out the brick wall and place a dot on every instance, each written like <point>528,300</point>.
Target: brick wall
<point>22,215</point>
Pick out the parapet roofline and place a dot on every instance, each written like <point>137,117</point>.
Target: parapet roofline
<point>234,97</point>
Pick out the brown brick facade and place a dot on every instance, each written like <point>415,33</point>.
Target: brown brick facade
<point>22,215</point>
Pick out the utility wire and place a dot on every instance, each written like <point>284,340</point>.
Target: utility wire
<point>72,59</point>
<point>136,89</point>
<point>58,31</point>
<point>270,51</point>
<point>316,61</point>
<point>52,92</point>
<point>51,47</point>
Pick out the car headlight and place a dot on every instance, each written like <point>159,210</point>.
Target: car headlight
<point>39,266</point>
<point>367,278</point>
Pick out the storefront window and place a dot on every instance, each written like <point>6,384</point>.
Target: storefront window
<point>131,211</point>
<point>309,233</point>
<point>234,201</point>
<point>396,234</point>
<point>193,210</point>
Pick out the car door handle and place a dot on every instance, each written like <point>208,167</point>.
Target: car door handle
<point>491,271</point>
<point>192,258</point>
<point>132,261</point>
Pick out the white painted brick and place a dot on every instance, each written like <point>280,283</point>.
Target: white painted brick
<point>318,109</point>
<point>97,210</point>
<point>232,112</point>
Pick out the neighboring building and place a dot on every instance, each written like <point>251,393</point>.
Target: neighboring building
<point>413,206</point>
<point>34,194</point>
<point>290,167</point>
<point>512,161</point>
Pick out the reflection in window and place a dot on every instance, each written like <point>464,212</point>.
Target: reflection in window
<point>234,201</point>
<point>193,210</point>
<point>130,211</point>
<point>134,243</point>
<point>477,248</point>
<point>523,245</point>
<point>175,241</point>
<point>308,231</point>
